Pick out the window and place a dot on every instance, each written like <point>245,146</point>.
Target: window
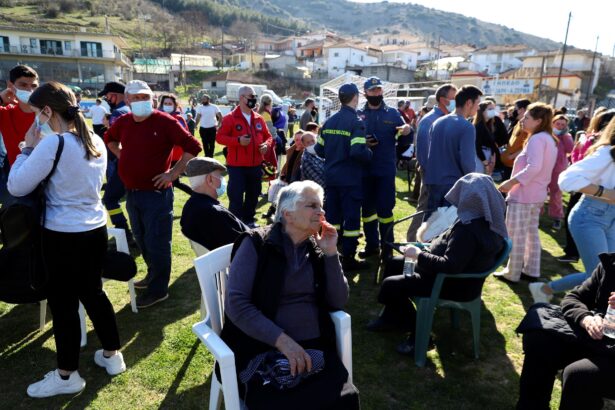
<point>4,44</point>
<point>33,43</point>
<point>68,45</point>
<point>91,49</point>
<point>52,47</point>
<point>336,54</point>
<point>361,58</point>
<point>214,84</point>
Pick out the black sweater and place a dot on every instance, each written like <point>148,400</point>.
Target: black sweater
<point>484,138</point>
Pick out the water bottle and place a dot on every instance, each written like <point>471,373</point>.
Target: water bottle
<point>608,324</point>
<point>409,270</point>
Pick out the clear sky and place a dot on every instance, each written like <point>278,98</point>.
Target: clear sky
<point>543,18</point>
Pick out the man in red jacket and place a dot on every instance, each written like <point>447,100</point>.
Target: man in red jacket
<point>142,141</point>
<point>245,134</point>
<point>16,116</point>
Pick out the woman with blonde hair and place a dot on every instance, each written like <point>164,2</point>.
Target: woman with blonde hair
<point>526,192</point>
<point>74,234</point>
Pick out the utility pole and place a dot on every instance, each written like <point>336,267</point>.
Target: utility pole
<point>438,57</point>
<point>542,69</point>
<point>591,73</point>
<point>561,65</point>
<point>222,50</point>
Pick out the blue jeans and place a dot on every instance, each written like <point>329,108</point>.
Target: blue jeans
<point>592,225</point>
<point>244,188</point>
<point>435,198</point>
<point>151,218</point>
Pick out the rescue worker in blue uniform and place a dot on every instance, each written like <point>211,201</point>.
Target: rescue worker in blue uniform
<point>382,126</point>
<point>342,145</point>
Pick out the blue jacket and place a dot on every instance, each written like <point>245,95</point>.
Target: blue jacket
<point>342,145</point>
<point>422,135</point>
<point>382,123</point>
<point>452,150</point>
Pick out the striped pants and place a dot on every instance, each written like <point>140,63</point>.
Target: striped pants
<point>522,226</point>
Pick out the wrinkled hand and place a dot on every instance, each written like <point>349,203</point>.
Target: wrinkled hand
<point>163,180</point>
<point>506,186</point>
<point>33,136</point>
<point>612,300</point>
<point>593,326</point>
<point>263,148</point>
<point>405,129</point>
<point>412,252</point>
<point>298,359</point>
<point>327,239</point>
<point>8,97</point>
<point>244,140</point>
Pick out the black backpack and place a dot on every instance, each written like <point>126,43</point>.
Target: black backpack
<point>22,272</point>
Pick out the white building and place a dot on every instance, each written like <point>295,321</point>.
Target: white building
<point>497,59</point>
<point>400,55</point>
<point>342,55</point>
<point>79,58</point>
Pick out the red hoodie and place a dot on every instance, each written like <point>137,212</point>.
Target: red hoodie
<point>14,123</point>
<point>233,126</point>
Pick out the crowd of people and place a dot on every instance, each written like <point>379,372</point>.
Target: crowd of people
<point>330,185</point>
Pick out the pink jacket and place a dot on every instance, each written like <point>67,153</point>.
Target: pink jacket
<point>533,168</point>
<point>581,147</point>
<point>564,147</point>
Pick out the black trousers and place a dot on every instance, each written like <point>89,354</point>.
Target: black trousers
<point>74,263</point>
<point>571,248</point>
<point>99,129</point>
<point>208,135</point>
<point>587,377</point>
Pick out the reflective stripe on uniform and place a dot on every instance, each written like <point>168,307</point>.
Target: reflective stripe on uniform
<point>336,132</point>
<point>386,220</point>
<point>370,218</point>
<point>338,227</point>
<point>321,141</point>
<point>112,212</point>
<point>351,234</point>
<point>357,140</point>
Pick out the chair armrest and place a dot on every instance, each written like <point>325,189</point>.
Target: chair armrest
<point>343,338</point>
<point>221,352</point>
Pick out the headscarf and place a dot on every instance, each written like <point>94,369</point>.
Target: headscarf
<point>476,196</point>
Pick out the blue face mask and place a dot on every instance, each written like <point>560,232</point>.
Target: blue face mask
<point>451,106</point>
<point>221,190</point>
<point>43,129</point>
<point>559,132</point>
<point>142,108</point>
<point>168,109</point>
<point>22,95</point>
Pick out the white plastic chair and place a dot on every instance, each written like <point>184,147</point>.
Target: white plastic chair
<point>121,244</point>
<point>200,250</point>
<point>212,272</point>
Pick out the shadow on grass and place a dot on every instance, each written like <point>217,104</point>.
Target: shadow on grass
<point>24,360</point>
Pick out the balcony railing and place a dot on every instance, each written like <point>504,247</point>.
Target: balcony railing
<point>58,52</point>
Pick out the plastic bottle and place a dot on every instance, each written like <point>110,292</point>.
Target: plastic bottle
<point>608,324</point>
<point>409,268</point>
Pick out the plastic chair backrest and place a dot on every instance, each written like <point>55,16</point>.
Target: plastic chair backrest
<point>435,293</point>
<point>212,271</point>
<point>121,243</point>
<point>197,248</point>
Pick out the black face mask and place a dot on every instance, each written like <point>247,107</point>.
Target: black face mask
<point>374,100</point>
<point>205,103</point>
<point>251,102</point>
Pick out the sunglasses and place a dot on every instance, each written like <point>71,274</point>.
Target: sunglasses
<point>250,96</point>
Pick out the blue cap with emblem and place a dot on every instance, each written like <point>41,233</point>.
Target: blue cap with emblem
<point>372,82</point>
<point>348,89</point>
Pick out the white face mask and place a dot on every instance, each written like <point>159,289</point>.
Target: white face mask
<point>168,108</point>
<point>22,95</point>
<point>142,108</point>
<point>491,113</point>
<point>43,129</point>
<point>311,149</point>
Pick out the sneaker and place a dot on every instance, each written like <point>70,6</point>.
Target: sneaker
<point>539,295</point>
<point>141,284</point>
<point>366,253</point>
<point>52,385</point>
<point>351,264</point>
<point>504,277</point>
<point>147,300</point>
<point>557,224</point>
<point>114,364</point>
<point>568,259</point>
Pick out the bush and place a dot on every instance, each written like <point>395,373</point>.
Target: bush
<point>67,6</point>
<point>52,13</point>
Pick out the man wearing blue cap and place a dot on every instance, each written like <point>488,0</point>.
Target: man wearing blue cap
<point>342,144</point>
<point>382,125</point>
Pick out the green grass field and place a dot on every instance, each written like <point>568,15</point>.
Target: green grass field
<point>168,368</point>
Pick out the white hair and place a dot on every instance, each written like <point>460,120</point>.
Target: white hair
<point>290,195</point>
<point>245,89</point>
<point>197,181</point>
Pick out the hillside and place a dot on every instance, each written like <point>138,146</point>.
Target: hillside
<point>165,25</point>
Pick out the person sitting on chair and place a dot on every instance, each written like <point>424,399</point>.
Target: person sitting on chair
<point>284,280</point>
<point>204,220</point>
<point>471,244</point>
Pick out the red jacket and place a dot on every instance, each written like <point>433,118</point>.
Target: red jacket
<point>233,126</point>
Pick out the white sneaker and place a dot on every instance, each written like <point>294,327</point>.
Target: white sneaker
<point>52,385</point>
<point>538,294</point>
<point>114,364</point>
